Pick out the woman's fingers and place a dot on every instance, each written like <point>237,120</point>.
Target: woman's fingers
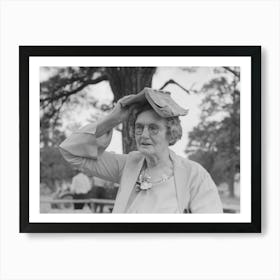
<point>125,101</point>
<point>124,106</point>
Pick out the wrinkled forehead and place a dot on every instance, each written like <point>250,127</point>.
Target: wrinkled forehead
<point>150,116</point>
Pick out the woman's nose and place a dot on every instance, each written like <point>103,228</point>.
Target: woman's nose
<point>145,132</point>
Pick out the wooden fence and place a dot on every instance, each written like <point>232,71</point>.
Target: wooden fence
<point>94,203</point>
<point>97,205</point>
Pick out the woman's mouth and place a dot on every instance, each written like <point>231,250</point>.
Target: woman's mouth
<point>145,144</point>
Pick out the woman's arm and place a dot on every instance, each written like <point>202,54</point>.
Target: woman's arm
<point>108,166</point>
<point>84,149</point>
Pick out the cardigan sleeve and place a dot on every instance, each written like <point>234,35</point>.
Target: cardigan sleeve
<point>86,152</point>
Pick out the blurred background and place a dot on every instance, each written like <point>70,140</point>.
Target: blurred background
<point>71,97</point>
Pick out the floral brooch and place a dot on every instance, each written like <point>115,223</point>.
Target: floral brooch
<point>143,183</point>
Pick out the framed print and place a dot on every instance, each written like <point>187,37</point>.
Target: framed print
<point>140,139</point>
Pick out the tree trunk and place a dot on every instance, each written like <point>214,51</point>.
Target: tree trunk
<point>233,149</point>
<point>232,181</point>
<point>125,81</point>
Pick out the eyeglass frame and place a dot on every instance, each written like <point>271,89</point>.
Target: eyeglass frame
<point>150,130</point>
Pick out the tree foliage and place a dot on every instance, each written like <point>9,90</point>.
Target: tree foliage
<point>64,83</point>
<point>53,168</point>
<point>215,141</point>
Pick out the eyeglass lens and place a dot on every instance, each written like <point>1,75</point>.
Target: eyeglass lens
<point>152,128</point>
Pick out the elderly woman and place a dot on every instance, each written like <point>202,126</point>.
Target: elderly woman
<point>153,179</point>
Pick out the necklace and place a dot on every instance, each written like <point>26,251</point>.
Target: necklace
<point>144,181</point>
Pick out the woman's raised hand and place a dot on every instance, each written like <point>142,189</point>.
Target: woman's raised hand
<point>122,111</point>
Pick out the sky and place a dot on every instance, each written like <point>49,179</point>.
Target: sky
<point>187,79</point>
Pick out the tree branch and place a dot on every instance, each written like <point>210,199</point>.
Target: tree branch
<point>171,81</point>
<point>69,93</point>
<point>56,114</point>
<point>235,73</point>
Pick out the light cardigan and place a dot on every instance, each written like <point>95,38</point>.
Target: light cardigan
<point>160,198</point>
<point>195,190</point>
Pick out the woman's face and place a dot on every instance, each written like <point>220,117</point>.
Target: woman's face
<point>150,133</point>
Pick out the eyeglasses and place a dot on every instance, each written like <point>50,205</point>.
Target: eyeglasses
<point>152,128</point>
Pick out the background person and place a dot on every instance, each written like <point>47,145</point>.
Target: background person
<point>81,185</point>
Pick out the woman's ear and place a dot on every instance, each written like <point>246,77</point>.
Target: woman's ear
<point>171,140</point>
<point>168,136</point>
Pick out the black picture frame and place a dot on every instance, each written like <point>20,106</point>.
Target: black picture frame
<point>254,52</point>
